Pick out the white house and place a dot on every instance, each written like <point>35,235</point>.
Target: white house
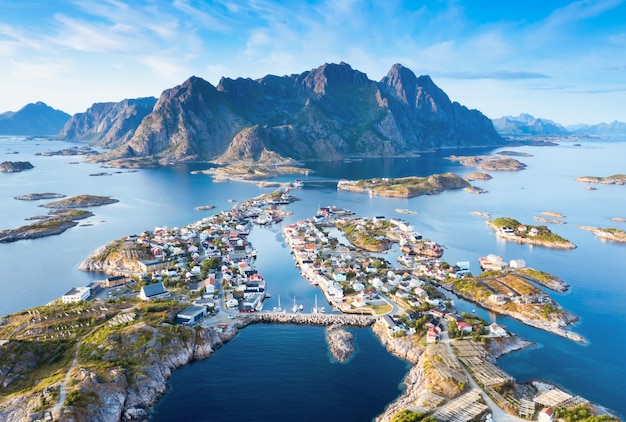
<point>153,291</point>
<point>76,294</point>
<point>497,330</point>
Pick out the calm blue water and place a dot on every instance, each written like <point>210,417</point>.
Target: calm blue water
<point>37,271</point>
<point>284,373</point>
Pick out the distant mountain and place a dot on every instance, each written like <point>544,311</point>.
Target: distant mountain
<point>32,120</point>
<point>525,124</point>
<point>613,128</point>
<point>108,124</point>
<point>327,113</point>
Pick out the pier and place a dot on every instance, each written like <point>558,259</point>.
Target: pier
<point>309,319</point>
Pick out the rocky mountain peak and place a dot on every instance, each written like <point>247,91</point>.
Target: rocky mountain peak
<point>332,76</point>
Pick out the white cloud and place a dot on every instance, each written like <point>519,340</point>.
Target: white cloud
<point>95,38</point>
<point>168,68</point>
<point>24,70</point>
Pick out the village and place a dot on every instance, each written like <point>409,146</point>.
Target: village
<point>206,272</point>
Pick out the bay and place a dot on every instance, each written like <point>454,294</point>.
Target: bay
<point>37,271</point>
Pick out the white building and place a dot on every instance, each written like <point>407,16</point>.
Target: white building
<point>77,294</point>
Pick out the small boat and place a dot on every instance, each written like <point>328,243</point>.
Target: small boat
<point>315,309</point>
<point>301,307</point>
<point>322,310</point>
<point>295,307</point>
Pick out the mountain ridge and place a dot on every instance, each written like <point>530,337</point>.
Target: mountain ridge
<point>34,119</point>
<point>327,113</point>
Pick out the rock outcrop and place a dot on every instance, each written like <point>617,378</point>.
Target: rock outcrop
<point>327,113</point>
<point>436,376</point>
<point>339,342</point>
<point>102,391</point>
<point>15,166</point>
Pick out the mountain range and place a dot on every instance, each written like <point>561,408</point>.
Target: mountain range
<point>34,119</point>
<point>327,113</point>
<point>525,124</point>
<point>331,112</point>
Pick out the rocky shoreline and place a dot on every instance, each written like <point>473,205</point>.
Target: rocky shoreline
<point>554,326</point>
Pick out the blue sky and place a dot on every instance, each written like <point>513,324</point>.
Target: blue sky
<point>562,60</point>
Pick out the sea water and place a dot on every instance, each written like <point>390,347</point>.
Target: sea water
<point>37,271</point>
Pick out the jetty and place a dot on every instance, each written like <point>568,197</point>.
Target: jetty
<point>309,319</point>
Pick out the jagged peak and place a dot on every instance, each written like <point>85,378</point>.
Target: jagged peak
<point>400,74</point>
<point>330,74</point>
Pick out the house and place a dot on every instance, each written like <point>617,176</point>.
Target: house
<point>191,315</point>
<point>546,415</point>
<point>153,291</point>
<point>498,299</point>
<point>432,335</point>
<point>517,263</point>
<point>76,294</point>
<point>115,281</point>
<point>492,262</point>
<point>497,330</point>
<point>464,327</point>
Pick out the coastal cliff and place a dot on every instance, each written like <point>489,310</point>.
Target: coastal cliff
<point>434,378</point>
<point>119,373</point>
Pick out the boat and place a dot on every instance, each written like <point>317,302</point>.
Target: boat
<point>295,307</point>
<point>301,307</point>
<point>315,309</point>
<point>278,307</point>
<point>322,310</point>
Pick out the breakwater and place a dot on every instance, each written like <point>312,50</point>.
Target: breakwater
<point>308,319</point>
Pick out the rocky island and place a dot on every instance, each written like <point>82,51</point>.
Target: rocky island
<point>340,342</point>
<point>405,187</point>
<point>511,229</point>
<point>477,175</point>
<point>15,166</point>
<point>38,196</point>
<point>53,224</point>
<point>81,201</point>
<point>489,162</point>
<point>615,235</point>
<point>616,179</point>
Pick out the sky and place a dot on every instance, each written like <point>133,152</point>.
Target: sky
<point>556,59</point>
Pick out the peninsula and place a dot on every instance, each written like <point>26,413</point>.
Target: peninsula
<point>405,187</point>
<point>513,230</point>
<point>508,293</point>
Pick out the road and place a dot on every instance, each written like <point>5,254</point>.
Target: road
<point>498,415</point>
